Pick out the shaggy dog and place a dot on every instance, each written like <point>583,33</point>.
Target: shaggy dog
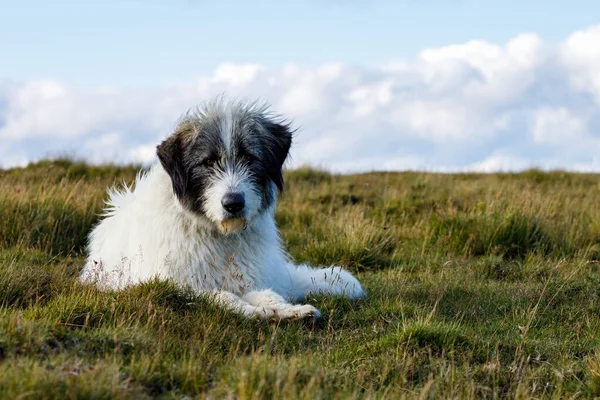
<point>204,217</point>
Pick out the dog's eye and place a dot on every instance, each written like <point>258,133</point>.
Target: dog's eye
<point>210,162</point>
<point>247,158</point>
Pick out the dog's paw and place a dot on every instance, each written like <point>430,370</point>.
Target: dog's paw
<point>305,311</point>
<point>281,312</point>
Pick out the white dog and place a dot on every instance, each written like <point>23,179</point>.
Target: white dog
<point>204,217</point>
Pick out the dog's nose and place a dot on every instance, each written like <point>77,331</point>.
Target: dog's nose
<point>233,202</point>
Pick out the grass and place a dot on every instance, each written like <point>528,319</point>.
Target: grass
<point>480,286</point>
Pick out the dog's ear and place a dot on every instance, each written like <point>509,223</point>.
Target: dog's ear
<point>170,154</point>
<point>279,144</point>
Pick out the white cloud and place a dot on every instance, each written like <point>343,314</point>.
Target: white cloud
<point>388,164</point>
<point>369,98</point>
<point>236,75</point>
<point>142,154</point>
<point>472,106</point>
<point>500,163</point>
<point>9,161</point>
<point>440,121</point>
<point>557,126</point>
<point>580,53</point>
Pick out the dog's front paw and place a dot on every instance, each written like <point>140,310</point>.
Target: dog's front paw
<point>282,312</point>
<point>306,311</point>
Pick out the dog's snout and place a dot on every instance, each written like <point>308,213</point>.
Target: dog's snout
<point>233,202</point>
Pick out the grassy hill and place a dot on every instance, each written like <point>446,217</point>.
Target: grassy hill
<point>480,286</point>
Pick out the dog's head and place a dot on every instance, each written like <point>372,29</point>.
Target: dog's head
<point>225,162</point>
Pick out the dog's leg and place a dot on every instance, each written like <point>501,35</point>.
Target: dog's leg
<point>329,281</point>
<point>263,304</point>
<point>238,305</point>
<point>281,309</point>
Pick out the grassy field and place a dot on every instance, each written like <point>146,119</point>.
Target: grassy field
<point>480,286</point>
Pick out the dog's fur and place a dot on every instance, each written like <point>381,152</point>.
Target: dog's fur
<point>204,216</point>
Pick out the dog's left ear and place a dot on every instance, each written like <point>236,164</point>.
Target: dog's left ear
<point>280,143</point>
<point>170,154</point>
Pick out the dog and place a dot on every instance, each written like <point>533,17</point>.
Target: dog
<point>203,216</point>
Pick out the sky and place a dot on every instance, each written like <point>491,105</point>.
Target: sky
<point>436,85</point>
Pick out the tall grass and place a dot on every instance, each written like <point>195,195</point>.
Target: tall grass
<point>480,286</point>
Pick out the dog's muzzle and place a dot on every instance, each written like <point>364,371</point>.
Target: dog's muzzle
<point>234,204</point>
<point>234,225</point>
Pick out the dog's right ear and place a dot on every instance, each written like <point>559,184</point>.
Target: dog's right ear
<point>170,154</point>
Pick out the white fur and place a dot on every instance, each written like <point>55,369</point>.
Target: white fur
<point>146,233</point>
<point>227,182</point>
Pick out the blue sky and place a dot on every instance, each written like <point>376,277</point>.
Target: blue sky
<point>135,42</point>
<point>418,84</point>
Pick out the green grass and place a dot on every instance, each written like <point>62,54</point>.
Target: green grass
<point>480,286</point>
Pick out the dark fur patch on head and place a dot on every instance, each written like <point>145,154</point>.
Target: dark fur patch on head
<point>170,154</point>
<point>279,145</point>
<point>220,137</point>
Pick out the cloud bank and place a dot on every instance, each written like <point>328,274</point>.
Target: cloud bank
<point>475,106</point>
